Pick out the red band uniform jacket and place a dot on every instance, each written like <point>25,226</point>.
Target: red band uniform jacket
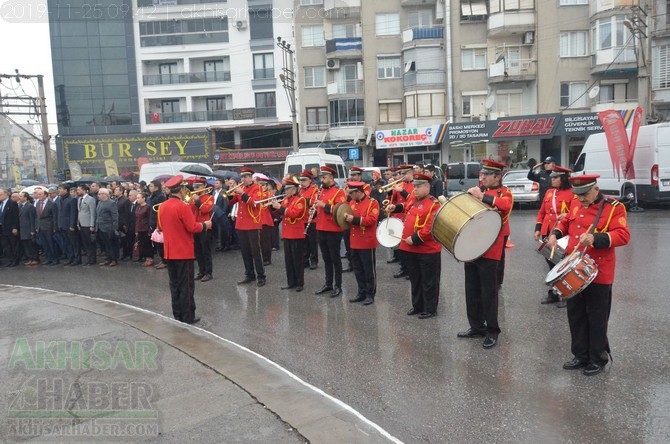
<point>363,231</point>
<point>611,231</point>
<point>419,216</point>
<point>556,201</point>
<point>178,224</point>
<point>325,220</point>
<point>203,212</point>
<point>401,197</point>
<point>294,213</point>
<point>248,212</point>
<point>266,210</point>
<point>502,200</point>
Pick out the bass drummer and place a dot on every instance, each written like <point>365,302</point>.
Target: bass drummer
<point>554,207</point>
<point>597,224</point>
<point>481,275</point>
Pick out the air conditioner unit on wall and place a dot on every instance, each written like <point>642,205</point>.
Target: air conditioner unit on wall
<point>528,37</point>
<point>241,24</point>
<point>333,64</point>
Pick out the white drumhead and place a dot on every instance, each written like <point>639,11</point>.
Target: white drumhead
<point>560,268</point>
<point>562,243</point>
<point>389,232</point>
<point>476,237</point>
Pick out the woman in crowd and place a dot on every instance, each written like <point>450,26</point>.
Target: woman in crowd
<point>142,233</point>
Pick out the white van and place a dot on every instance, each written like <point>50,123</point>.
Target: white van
<point>651,162</point>
<point>308,158</point>
<point>151,170</point>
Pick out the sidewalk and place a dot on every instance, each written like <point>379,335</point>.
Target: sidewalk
<point>78,367</point>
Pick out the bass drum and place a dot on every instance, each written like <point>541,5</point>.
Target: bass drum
<point>466,227</point>
<point>389,232</point>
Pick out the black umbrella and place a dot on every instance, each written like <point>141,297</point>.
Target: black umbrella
<point>114,178</point>
<point>197,169</point>
<point>226,174</point>
<point>91,179</point>
<point>28,182</point>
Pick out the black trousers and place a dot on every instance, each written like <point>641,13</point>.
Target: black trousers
<point>250,246</point>
<point>311,248</point>
<point>588,314</point>
<point>88,244</point>
<point>481,294</point>
<point>29,249</point>
<point>127,244</point>
<point>329,242</point>
<point>424,277</point>
<point>266,243</point>
<point>365,270</point>
<point>347,247</point>
<point>75,242</point>
<point>501,264</point>
<point>10,247</point>
<point>182,289</point>
<point>295,270</point>
<point>111,245</point>
<point>203,251</point>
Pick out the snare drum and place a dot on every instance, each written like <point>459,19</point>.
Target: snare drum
<point>572,275</point>
<point>559,252</point>
<point>389,232</point>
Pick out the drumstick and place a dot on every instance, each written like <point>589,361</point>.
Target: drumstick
<point>551,256</point>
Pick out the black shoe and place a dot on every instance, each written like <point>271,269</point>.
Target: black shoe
<point>593,369</point>
<point>246,280</point>
<point>562,304</point>
<point>324,289</point>
<point>266,263</point>
<point>336,292</point>
<point>575,364</point>
<point>413,311</point>
<point>260,283</point>
<point>427,314</point>
<point>471,333</point>
<point>194,321</point>
<point>298,289</point>
<point>205,278</point>
<point>313,267</point>
<point>348,269</point>
<point>393,261</point>
<point>368,301</point>
<point>75,263</point>
<point>400,274</point>
<point>490,340</point>
<point>288,287</point>
<point>57,263</point>
<point>358,298</point>
<point>199,276</point>
<point>550,299</point>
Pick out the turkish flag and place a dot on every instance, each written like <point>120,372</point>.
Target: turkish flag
<point>155,118</point>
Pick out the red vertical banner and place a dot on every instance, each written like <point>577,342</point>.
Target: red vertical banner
<point>617,139</point>
<point>141,161</point>
<point>637,121</point>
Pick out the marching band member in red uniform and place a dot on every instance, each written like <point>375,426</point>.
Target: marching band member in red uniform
<point>202,205</point>
<point>310,191</point>
<point>355,175</point>
<point>363,241</point>
<point>267,223</point>
<point>400,193</point>
<point>599,224</point>
<point>481,275</point>
<point>330,234</point>
<point>555,206</point>
<point>176,221</point>
<point>293,210</point>
<point>421,250</point>
<point>248,225</point>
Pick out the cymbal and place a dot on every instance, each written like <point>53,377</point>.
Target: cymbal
<point>341,210</point>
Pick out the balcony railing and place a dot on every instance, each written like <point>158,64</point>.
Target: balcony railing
<point>346,87</point>
<point>193,116</point>
<point>424,79</point>
<point>435,32</point>
<point>354,44</point>
<point>264,73</point>
<point>186,77</point>
<point>615,54</point>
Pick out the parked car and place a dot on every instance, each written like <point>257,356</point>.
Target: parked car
<point>523,189</point>
<point>462,176</point>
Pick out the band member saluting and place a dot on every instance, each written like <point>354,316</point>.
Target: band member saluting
<point>330,234</point>
<point>598,224</point>
<point>293,211</point>
<point>422,252</point>
<point>554,207</point>
<point>363,241</point>
<point>177,222</point>
<point>248,225</point>
<point>481,277</point>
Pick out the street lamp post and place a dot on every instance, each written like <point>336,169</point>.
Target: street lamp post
<point>287,78</point>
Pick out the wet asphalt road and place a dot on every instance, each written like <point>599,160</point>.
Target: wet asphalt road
<point>414,377</point>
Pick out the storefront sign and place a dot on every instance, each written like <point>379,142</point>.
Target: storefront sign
<point>408,137</point>
<point>251,155</point>
<point>244,113</point>
<point>579,124</point>
<point>469,131</point>
<point>526,127</point>
<point>92,152</point>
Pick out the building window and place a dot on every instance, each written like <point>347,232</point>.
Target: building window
<point>473,10</point>
<point>344,31</point>
<point>388,67</point>
<point>606,94</point>
<point>573,2</point>
<point>310,2</point>
<point>573,43</point>
<point>264,66</point>
<point>317,119</point>
<point>573,95</point>
<point>387,24</point>
<point>510,5</point>
<point>266,104</point>
<point>466,106</point>
<point>424,105</point>
<point>422,18</point>
<point>660,77</point>
<point>473,59</point>
<point>312,36</point>
<point>347,112</point>
<point>509,104</point>
<point>183,32</point>
<point>390,112</point>
<point>168,73</point>
<point>260,24</point>
<point>218,108</point>
<point>315,76</point>
<point>217,70</point>
<point>602,32</point>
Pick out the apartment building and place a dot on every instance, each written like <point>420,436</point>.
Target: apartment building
<point>157,80</point>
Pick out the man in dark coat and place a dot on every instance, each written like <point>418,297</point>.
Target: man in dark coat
<point>46,225</point>
<point>9,228</point>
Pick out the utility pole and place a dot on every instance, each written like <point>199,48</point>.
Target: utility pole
<point>637,25</point>
<point>17,106</point>
<point>287,78</point>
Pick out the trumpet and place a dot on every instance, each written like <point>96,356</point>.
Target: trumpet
<point>268,201</point>
<point>229,192</point>
<point>188,194</point>
<point>389,186</point>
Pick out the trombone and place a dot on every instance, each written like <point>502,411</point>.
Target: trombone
<point>268,201</point>
<point>188,194</point>
<point>389,186</point>
<point>229,192</point>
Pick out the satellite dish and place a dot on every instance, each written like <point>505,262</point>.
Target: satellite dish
<point>490,100</point>
<point>500,57</point>
<point>594,92</point>
<point>409,66</point>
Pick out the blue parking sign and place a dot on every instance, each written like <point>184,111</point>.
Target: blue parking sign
<point>354,154</point>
